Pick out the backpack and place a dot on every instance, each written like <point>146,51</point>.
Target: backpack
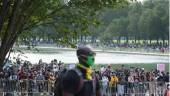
<point>72,85</point>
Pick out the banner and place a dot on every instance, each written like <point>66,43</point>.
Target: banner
<point>161,67</point>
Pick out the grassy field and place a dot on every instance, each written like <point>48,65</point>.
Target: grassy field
<point>147,67</point>
<point>141,41</point>
<point>53,49</point>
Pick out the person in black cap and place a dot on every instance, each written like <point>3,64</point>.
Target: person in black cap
<point>80,81</point>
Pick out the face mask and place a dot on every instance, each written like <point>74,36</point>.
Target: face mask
<point>90,60</point>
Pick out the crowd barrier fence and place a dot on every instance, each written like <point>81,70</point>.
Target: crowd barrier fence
<point>46,87</point>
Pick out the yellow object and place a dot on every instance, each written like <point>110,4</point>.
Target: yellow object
<point>88,71</point>
<point>113,81</point>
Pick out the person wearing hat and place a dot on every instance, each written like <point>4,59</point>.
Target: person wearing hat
<point>80,81</point>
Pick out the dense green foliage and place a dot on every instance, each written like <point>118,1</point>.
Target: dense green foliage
<point>63,19</point>
<point>139,21</point>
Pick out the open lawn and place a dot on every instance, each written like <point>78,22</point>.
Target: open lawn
<point>147,67</point>
<point>54,49</point>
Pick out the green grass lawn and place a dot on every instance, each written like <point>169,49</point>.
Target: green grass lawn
<point>141,41</point>
<point>55,50</point>
<point>148,67</point>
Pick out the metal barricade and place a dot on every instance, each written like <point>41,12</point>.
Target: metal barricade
<point>134,89</point>
<point>26,87</point>
<point>46,87</point>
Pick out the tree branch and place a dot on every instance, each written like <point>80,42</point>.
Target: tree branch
<point>3,13</point>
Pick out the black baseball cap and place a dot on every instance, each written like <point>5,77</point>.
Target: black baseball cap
<point>85,51</point>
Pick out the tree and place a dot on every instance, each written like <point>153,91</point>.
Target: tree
<point>161,15</point>
<point>151,22</point>
<point>141,21</point>
<point>133,16</point>
<point>18,16</point>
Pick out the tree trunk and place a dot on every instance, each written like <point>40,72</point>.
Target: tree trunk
<point>10,35</point>
<point>127,39</point>
<point>3,12</point>
<point>157,41</point>
<point>3,52</point>
<point>117,41</point>
<point>164,42</point>
<point>95,41</point>
<point>150,41</point>
<point>92,39</point>
<point>135,40</point>
<point>4,49</point>
<point>85,37</point>
<point>81,38</point>
<point>168,42</point>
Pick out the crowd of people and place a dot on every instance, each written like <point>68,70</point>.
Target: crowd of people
<point>156,47</point>
<point>41,77</point>
<point>113,82</point>
<point>32,78</point>
<point>133,80</point>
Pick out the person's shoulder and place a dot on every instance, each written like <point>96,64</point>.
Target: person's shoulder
<point>70,74</point>
<point>71,80</point>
